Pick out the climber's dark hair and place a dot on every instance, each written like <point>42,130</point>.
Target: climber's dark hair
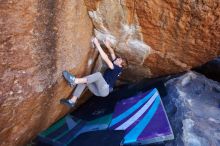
<point>124,61</point>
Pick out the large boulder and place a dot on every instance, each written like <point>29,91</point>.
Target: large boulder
<point>193,105</point>
<point>39,39</point>
<point>159,37</point>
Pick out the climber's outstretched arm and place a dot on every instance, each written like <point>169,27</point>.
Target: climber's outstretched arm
<point>103,54</point>
<point>111,51</point>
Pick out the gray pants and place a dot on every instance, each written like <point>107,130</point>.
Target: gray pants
<point>96,84</point>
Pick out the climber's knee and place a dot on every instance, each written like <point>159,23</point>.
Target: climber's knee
<point>98,74</point>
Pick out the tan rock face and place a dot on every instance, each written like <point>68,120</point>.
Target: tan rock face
<point>159,37</point>
<point>38,40</point>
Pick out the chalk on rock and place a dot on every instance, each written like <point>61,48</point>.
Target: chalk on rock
<point>103,35</point>
<point>139,45</point>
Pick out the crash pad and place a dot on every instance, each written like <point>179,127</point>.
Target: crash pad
<point>143,118</point>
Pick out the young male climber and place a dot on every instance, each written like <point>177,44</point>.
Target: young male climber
<point>98,84</point>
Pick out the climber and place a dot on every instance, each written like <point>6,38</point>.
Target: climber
<point>98,84</point>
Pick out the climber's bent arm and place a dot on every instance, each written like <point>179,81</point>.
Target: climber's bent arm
<point>111,51</point>
<point>104,55</point>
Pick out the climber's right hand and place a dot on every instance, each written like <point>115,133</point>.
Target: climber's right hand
<point>95,41</point>
<point>107,43</point>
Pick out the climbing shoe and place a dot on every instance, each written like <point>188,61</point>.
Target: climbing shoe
<point>69,78</point>
<point>67,102</point>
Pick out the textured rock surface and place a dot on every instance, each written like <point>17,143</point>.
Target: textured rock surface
<point>159,37</point>
<point>39,39</point>
<point>192,105</point>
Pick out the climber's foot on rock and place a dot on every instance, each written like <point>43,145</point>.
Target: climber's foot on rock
<point>69,78</point>
<point>67,102</point>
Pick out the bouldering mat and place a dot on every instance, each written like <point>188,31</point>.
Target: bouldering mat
<point>143,118</point>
